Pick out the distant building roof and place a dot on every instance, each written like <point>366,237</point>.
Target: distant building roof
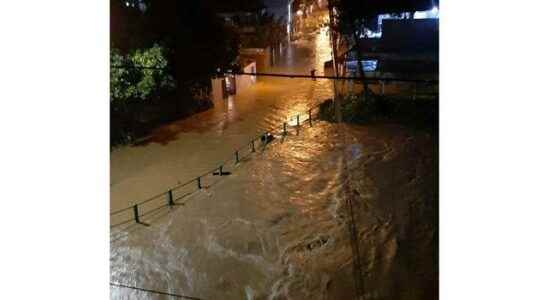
<point>408,47</point>
<point>406,36</point>
<point>377,7</point>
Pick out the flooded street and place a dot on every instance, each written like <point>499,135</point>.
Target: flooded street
<point>181,150</point>
<point>277,226</point>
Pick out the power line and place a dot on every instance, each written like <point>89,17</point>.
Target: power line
<point>336,77</point>
<point>372,79</point>
<point>153,291</point>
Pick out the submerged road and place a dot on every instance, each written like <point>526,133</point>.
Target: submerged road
<point>183,149</point>
<point>277,227</point>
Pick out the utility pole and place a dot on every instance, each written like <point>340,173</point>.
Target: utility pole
<point>336,100</point>
<point>357,271</point>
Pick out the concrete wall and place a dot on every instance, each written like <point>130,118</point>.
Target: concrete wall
<point>260,55</point>
<point>244,81</point>
<point>217,89</point>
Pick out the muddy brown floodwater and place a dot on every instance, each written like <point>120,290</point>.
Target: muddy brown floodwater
<point>277,227</point>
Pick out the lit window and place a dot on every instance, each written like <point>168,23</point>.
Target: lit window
<point>369,65</point>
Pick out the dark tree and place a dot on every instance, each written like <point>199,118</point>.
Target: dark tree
<point>127,24</point>
<point>204,44</point>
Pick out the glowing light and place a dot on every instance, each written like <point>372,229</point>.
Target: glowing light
<point>420,15</point>
<point>372,34</point>
<point>427,14</point>
<point>369,65</point>
<point>289,18</point>
<point>299,12</point>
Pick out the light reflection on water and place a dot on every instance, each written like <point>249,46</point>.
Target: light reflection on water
<point>256,232</point>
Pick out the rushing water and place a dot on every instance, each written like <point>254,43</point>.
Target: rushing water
<point>276,228</point>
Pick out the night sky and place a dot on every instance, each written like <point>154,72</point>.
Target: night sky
<point>277,7</point>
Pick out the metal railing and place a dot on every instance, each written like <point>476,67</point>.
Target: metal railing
<point>169,198</point>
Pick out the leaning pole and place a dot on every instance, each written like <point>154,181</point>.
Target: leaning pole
<point>336,99</point>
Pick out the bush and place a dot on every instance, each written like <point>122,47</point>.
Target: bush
<point>420,113</point>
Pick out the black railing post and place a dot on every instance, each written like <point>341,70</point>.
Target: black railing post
<point>136,214</point>
<point>297,120</point>
<point>252,145</point>
<point>199,181</point>
<point>170,198</point>
<point>237,157</point>
<point>285,128</point>
<point>310,117</point>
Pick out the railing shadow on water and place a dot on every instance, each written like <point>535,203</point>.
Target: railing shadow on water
<point>135,216</point>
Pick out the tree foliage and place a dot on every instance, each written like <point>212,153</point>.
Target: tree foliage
<point>180,44</point>
<point>139,74</point>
